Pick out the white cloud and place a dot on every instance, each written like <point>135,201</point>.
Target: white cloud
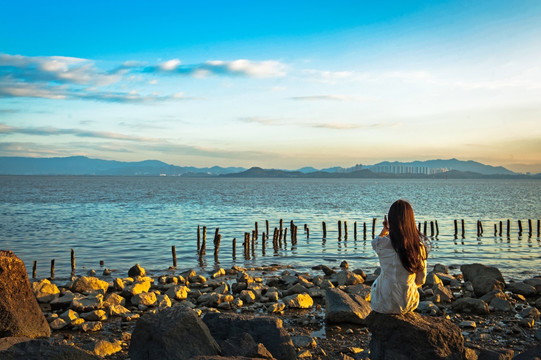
<point>170,65</point>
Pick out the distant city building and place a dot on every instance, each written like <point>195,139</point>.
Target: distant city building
<point>405,169</point>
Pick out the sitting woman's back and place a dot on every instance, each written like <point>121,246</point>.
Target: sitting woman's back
<point>402,257</point>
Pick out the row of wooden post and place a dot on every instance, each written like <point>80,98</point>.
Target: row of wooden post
<point>280,238</point>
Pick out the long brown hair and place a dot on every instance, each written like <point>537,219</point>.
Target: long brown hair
<point>405,236</point>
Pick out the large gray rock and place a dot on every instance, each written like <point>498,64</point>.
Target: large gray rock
<point>412,336</point>
<point>173,333</point>
<point>521,288</point>
<point>483,278</point>
<point>266,330</point>
<point>20,314</point>
<point>533,353</point>
<point>471,306</point>
<point>43,350</point>
<point>341,307</point>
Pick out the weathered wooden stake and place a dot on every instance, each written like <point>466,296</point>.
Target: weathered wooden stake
<point>325,229</point>
<point>52,269</point>
<point>281,232</point>
<point>456,228</point>
<point>530,227</point>
<point>538,226</point>
<point>437,228</point>
<point>374,227</point>
<point>267,227</point>
<point>345,229</point>
<point>495,230</point>
<point>432,228</point>
<point>34,269</point>
<point>508,227</point>
<point>339,229</point>
<point>72,262</point>
<point>520,227</point>
<point>102,263</point>
<point>234,248</point>
<point>174,251</point>
<point>203,249</point>
<point>481,231</point>
<point>217,245</point>
<point>463,229</point>
<point>256,231</point>
<point>364,230</point>
<point>355,230</point>
<point>501,227</point>
<point>285,237</point>
<point>198,239</point>
<point>424,228</point>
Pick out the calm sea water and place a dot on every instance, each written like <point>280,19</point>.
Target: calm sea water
<point>128,220</point>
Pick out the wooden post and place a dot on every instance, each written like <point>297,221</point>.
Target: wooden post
<point>538,226</point>
<point>437,228</point>
<point>34,269</point>
<point>217,240</point>
<point>198,239</point>
<point>254,235</point>
<point>456,228</point>
<point>520,227</point>
<point>174,251</point>
<point>478,231</point>
<point>501,227</point>
<point>355,230</point>
<point>374,227</point>
<point>325,229</point>
<point>52,269</point>
<point>281,232</point>
<point>256,231</point>
<point>463,230</point>
<point>307,231</point>
<point>285,237</point>
<point>102,262</point>
<point>339,229</point>
<point>424,228</point>
<point>432,228</point>
<point>495,230</point>
<point>72,262</point>
<point>345,229</point>
<point>530,227</point>
<point>508,226</point>
<point>364,230</point>
<point>267,227</point>
<point>234,248</point>
<point>481,231</point>
<point>203,249</point>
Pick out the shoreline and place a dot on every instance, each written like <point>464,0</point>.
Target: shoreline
<point>515,329</point>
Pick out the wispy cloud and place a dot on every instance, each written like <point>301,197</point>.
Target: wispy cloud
<point>241,67</point>
<point>330,98</point>
<point>52,131</point>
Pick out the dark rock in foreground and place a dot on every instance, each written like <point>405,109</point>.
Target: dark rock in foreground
<point>263,329</point>
<point>173,333</point>
<point>42,350</point>
<point>341,307</point>
<point>20,314</point>
<point>413,336</point>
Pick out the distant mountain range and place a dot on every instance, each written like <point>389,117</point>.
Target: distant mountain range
<point>81,165</point>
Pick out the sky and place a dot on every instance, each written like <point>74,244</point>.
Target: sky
<point>276,84</point>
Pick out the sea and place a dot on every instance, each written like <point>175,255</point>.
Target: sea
<point>116,222</point>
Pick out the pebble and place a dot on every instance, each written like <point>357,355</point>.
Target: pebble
<point>468,324</point>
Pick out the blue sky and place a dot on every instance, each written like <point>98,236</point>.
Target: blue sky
<point>273,84</point>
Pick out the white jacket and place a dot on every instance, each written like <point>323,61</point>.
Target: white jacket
<point>395,289</point>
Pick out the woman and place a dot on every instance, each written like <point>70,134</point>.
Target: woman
<point>402,256</point>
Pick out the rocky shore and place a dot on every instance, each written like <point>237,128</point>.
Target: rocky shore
<point>266,312</point>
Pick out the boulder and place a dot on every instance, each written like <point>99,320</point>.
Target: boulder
<point>144,298</point>
<point>521,288</point>
<point>20,314</point>
<point>7,342</point>
<point>483,278</point>
<point>440,268</point>
<point>87,303</point>
<point>245,345</point>
<point>266,330</point>
<point>42,349</point>
<point>432,279</point>
<point>45,291</point>
<point>327,270</point>
<point>178,292</point>
<point>346,277</point>
<point>173,333</point>
<point>104,348</point>
<point>413,336</point>
<point>341,307</point>
<point>299,301</point>
<point>136,288</point>
<point>136,270</point>
<point>86,284</point>
<point>471,305</point>
<point>64,301</point>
